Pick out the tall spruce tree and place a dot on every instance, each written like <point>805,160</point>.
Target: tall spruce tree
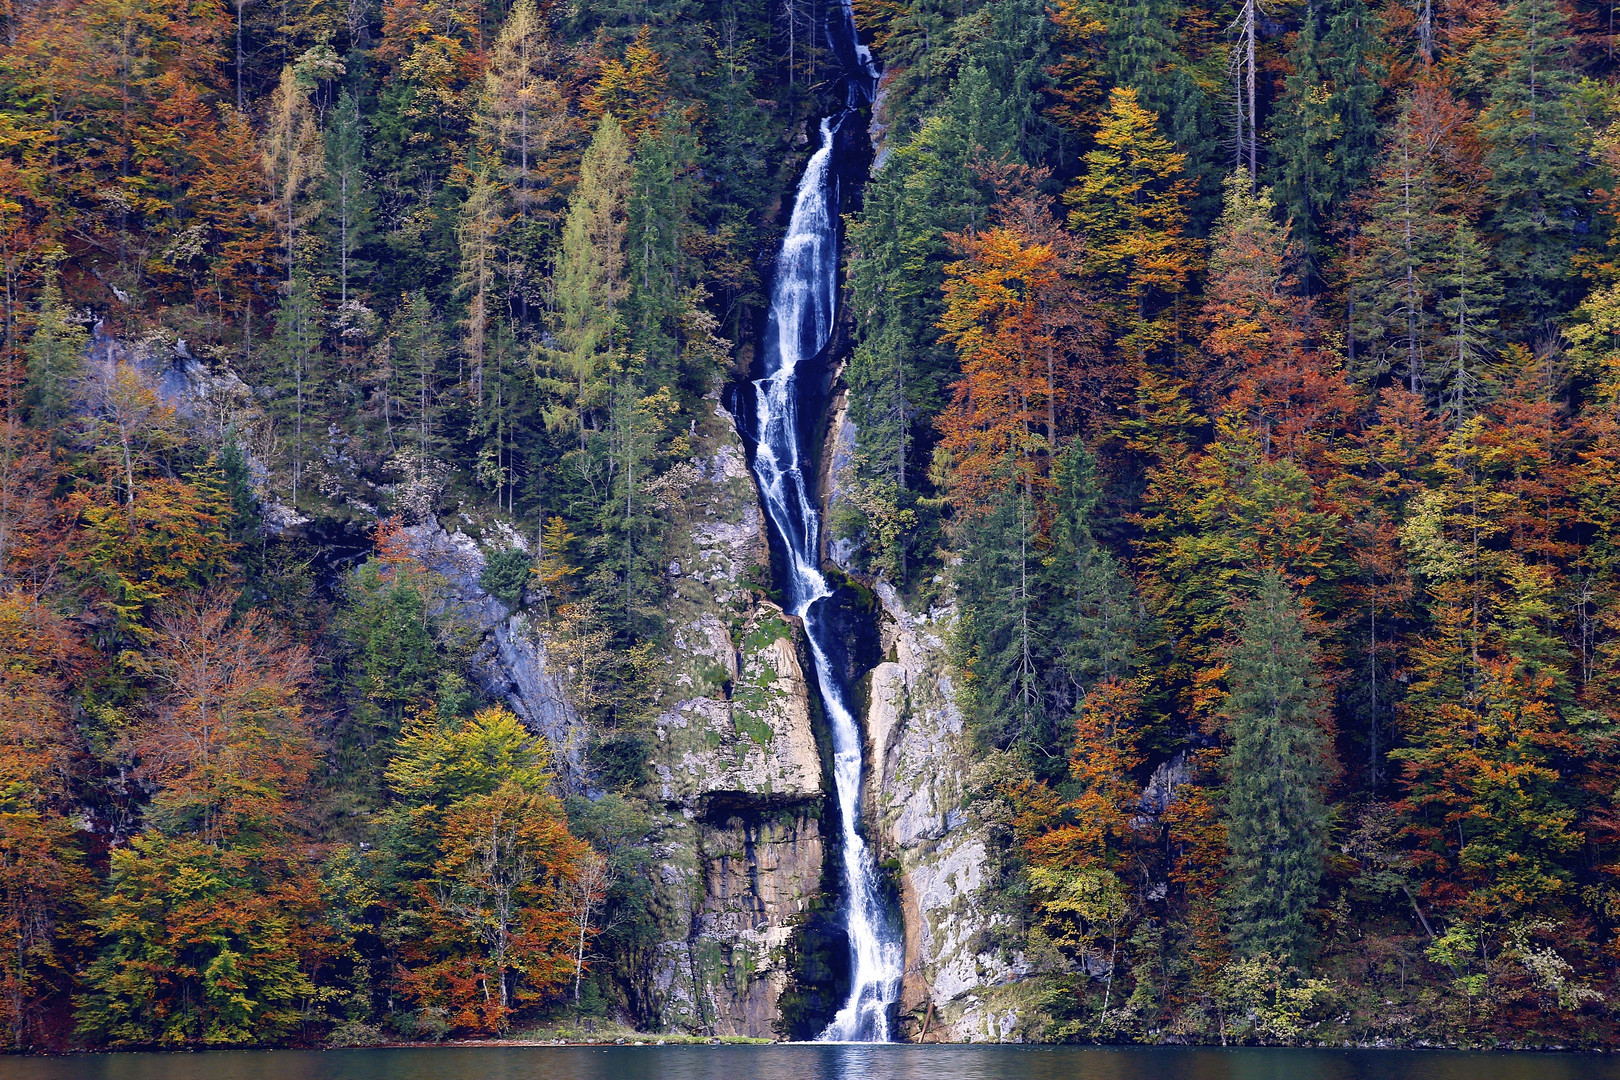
<point>419,352</point>
<point>1470,296</point>
<point>1351,61</point>
<point>1273,802</point>
<point>899,250</point>
<point>1305,129</point>
<point>299,358</point>
<point>1090,618</point>
<point>1412,211</point>
<point>348,198</point>
<point>1325,131</point>
<point>658,208</point>
<point>999,642</point>
<point>1139,37</point>
<point>55,354</point>
<point>1532,137</point>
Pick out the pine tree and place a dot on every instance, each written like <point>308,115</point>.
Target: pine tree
<point>1012,58</point>
<point>1275,768</point>
<point>1305,129</point>
<point>899,248</point>
<point>1002,655</point>
<point>1351,61</point>
<point>347,198</point>
<point>1533,149</point>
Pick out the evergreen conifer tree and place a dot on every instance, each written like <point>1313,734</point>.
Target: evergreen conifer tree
<point>348,197</point>
<point>1470,294</point>
<point>1140,42</point>
<point>1305,128</point>
<point>1350,60</point>
<point>1273,808</point>
<point>659,205</point>
<point>1091,620</point>
<point>1532,137</point>
<point>418,355</point>
<point>1325,132</point>
<point>298,354</point>
<point>1003,654</point>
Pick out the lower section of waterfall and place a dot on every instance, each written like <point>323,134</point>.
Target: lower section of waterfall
<point>876,951</point>
<point>798,328</point>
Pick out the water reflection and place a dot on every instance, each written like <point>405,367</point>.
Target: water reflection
<point>817,1062</point>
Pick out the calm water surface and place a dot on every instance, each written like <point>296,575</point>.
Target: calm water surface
<point>803,1062</point>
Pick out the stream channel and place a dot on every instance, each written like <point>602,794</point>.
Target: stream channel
<point>798,331</point>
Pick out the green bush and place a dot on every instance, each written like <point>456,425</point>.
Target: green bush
<point>505,575</point>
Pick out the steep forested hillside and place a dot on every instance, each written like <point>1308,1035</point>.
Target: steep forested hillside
<point>1234,388</point>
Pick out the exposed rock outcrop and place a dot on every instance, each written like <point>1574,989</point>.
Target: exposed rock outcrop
<point>922,754</point>
<point>511,663</point>
<point>734,763</point>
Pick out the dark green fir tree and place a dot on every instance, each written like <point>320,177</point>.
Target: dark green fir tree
<point>1273,805</point>
<point>1532,149</point>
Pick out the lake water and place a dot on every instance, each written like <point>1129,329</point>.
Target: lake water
<point>812,1062</point>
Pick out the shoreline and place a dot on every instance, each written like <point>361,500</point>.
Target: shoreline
<point>667,1041</point>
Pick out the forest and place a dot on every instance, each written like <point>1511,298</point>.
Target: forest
<point>1240,380</point>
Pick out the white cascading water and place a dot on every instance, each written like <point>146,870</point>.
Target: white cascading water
<point>803,305</point>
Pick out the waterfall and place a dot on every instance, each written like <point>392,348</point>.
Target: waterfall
<point>803,305</point>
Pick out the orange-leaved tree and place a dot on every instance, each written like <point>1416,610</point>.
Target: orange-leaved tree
<point>46,888</point>
<point>227,744</point>
<point>492,924</point>
<point>1074,867</point>
<point>1007,306</point>
<point>211,923</point>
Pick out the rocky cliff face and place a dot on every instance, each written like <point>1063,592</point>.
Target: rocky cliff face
<point>737,775</point>
<point>957,988</point>
<point>735,765</point>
